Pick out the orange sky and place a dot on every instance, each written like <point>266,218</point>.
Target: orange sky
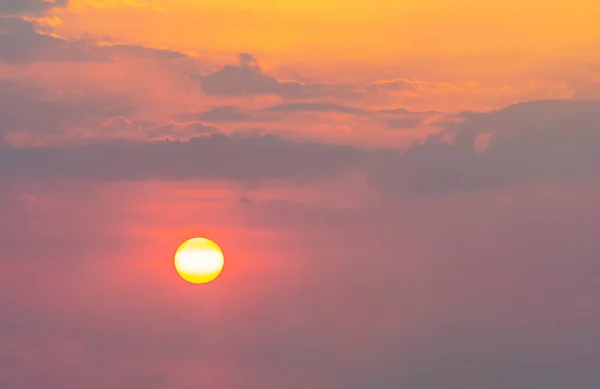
<point>493,53</point>
<point>449,57</point>
<point>316,31</point>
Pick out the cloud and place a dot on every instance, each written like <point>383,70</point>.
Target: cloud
<point>405,122</point>
<point>228,114</point>
<point>224,113</point>
<point>140,52</point>
<point>315,107</point>
<point>213,156</point>
<point>555,140</point>
<point>119,126</point>
<point>20,42</point>
<point>248,78</point>
<point>404,84</point>
<point>402,118</point>
<point>404,111</point>
<point>245,79</point>
<point>540,117</point>
<point>27,109</point>
<point>32,7</point>
<point>180,131</point>
<point>548,140</point>
<point>248,61</point>
<point>394,118</point>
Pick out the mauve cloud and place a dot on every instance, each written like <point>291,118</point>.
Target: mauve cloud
<point>215,156</point>
<point>28,109</point>
<point>316,106</point>
<point>530,142</point>
<point>247,78</point>
<point>403,84</point>
<point>181,130</point>
<point>554,140</point>
<point>15,7</point>
<point>21,42</point>
<point>394,118</point>
<point>224,114</point>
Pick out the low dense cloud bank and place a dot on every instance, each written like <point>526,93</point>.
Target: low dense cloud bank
<point>556,141</point>
<point>216,156</point>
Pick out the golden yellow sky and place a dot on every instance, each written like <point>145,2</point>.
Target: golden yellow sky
<point>360,30</point>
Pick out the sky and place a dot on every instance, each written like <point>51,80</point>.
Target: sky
<point>405,192</point>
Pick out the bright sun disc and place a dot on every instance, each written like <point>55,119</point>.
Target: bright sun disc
<point>199,260</point>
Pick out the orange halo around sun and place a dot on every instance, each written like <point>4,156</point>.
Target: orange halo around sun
<point>199,260</point>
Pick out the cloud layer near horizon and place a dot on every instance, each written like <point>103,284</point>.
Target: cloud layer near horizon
<point>525,143</point>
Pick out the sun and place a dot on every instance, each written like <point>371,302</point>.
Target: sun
<point>199,260</point>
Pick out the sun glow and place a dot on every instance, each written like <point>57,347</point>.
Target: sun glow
<point>199,260</point>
